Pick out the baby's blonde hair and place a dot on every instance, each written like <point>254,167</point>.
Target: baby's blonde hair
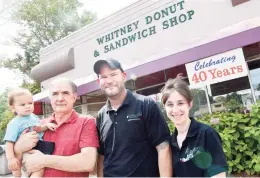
<point>16,92</point>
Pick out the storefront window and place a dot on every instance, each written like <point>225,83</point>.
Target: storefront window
<point>78,109</point>
<point>93,108</point>
<point>47,110</point>
<point>255,77</point>
<point>232,95</point>
<point>200,104</point>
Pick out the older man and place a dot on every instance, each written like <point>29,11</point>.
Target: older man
<point>134,137</point>
<point>75,139</point>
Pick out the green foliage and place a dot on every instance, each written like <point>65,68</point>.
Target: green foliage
<point>7,116</point>
<point>234,102</point>
<point>198,100</point>
<point>3,104</point>
<point>240,135</point>
<point>171,126</point>
<point>3,114</point>
<point>235,96</point>
<point>233,105</point>
<point>33,87</point>
<point>258,87</point>
<point>220,99</point>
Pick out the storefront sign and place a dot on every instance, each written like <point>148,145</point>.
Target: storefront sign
<point>170,17</point>
<point>218,68</point>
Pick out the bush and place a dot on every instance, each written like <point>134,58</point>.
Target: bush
<point>240,135</point>
<point>8,115</point>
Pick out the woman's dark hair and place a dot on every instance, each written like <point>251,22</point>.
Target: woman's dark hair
<point>178,84</point>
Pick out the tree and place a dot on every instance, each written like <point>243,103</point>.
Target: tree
<point>3,104</point>
<point>258,87</point>
<point>233,102</point>
<point>3,114</point>
<point>233,105</point>
<point>44,22</point>
<point>7,116</point>
<point>32,86</point>
<point>235,96</point>
<point>199,99</point>
<point>220,99</point>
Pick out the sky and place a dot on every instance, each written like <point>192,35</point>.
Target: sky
<point>102,8</point>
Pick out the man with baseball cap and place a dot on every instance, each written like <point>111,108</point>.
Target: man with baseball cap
<point>132,132</point>
<point>112,63</point>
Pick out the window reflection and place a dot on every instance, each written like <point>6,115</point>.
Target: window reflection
<point>200,104</point>
<point>231,96</point>
<point>255,77</point>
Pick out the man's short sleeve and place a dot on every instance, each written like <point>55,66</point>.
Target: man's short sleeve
<point>12,131</point>
<point>215,150</point>
<point>89,137</point>
<point>157,128</point>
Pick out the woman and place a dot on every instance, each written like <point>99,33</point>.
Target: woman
<point>196,147</point>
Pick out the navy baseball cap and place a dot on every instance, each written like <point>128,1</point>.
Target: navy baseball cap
<point>112,63</point>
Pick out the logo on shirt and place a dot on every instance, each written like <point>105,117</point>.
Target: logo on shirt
<point>134,117</point>
<point>190,153</point>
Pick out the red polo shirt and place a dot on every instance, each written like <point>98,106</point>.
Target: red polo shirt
<point>76,133</point>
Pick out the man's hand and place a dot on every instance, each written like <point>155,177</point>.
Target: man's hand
<point>14,164</point>
<point>51,126</point>
<point>33,161</point>
<point>26,142</point>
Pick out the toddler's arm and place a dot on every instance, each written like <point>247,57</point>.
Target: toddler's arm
<point>45,127</point>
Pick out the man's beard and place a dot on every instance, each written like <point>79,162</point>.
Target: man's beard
<point>115,91</point>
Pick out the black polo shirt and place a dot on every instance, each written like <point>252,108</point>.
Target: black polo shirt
<point>129,136</point>
<point>201,154</point>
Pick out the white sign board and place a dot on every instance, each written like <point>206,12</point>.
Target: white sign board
<point>218,68</point>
